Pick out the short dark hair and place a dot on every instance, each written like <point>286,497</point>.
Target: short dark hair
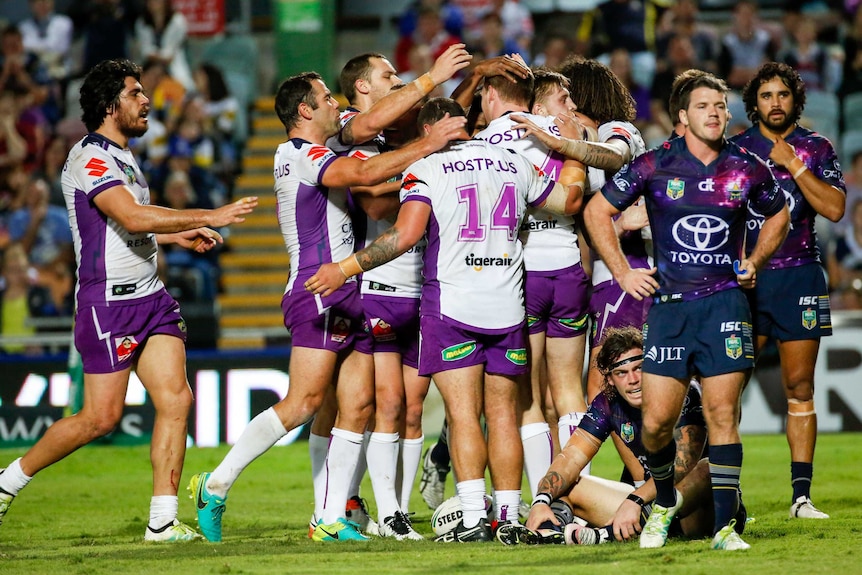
<point>518,92</point>
<point>436,109</point>
<point>767,72</point>
<point>597,92</point>
<point>357,68</point>
<point>293,92</point>
<point>102,87</point>
<point>686,83</point>
<point>544,81</point>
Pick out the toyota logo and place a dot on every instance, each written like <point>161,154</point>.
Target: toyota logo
<point>701,232</point>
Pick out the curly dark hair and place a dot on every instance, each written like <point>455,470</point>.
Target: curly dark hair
<point>767,72</point>
<point>597,92</point>
<point>616,342</point>
<point>101,89</point>
<point>293,92</point>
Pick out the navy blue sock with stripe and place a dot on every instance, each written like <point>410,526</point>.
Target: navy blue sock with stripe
<point>725,465</point>
<point>661,469</point>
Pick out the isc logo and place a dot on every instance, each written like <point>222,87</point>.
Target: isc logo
<point>808,300</point>
<point>731,326</point>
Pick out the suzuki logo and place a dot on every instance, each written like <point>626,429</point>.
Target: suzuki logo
<point>701,232</point>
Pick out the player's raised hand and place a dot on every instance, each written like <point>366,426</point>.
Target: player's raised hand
<point>232,213</point>
<point>325,280</point>
<point>445,130</point>
<point>455,58</point>
<point>512,67</point>
<point>639,282</point>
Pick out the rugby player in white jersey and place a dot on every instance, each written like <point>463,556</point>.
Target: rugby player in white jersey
<point>471,199</point>
<point>330,343</point>
<point>125,317</point>
<point>368,81</point>
<point>555,286</point>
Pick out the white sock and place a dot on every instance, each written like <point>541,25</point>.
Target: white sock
<point>345,448</point>
<point>382,456</point>
<point>163,510</point>
<point>506,505</point>
<point>410,455</point>
<point>13,480</point>
<point>259,435</point>
<point>361,468</point>
<point>472,496</point>
<point>538,452</point>
<point>567,425</point>
<point>318,445</point>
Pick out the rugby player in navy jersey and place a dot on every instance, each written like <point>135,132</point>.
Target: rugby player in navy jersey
<point>697,190</point>
<point>790,303</point>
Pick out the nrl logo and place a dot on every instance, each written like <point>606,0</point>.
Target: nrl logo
<point>675,189</point>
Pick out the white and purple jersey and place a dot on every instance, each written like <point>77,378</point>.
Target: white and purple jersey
<point>634,244</point>
<point>402,277</point>
<point>818,155</point>
<point>114,265</point>
<point>473,266</point>
<point>314,223</point>
<point>550,240</point>
<point>697,221</point>
<point>335,144</point>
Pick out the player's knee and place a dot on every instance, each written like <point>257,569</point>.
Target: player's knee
<point>800,408</point>
<point>413,417</point>
<point>103,423</point>
<point>801,389</point>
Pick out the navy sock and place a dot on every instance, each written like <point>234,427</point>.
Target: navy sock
<point>725,465</point>
<point>800,478</point>
<point>661,469</point>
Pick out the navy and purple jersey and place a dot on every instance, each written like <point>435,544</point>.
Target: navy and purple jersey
<point>605,416</point>
<point>697,212</point>
<point>818,155</point>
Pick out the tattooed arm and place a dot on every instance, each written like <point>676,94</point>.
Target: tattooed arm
<point>407,230</point>
<point>563,475</point>
<point>690,441</point>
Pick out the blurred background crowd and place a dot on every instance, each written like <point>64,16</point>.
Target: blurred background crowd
<point>202,98</point>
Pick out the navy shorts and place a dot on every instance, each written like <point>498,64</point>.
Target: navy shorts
<point>791,304</point>
<point>557,304</point>
<point>707,336</point>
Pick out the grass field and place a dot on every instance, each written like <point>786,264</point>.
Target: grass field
<point>87,515</point>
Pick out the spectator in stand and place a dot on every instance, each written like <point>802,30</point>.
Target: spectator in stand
<point>517,24</point>
<point>851,82</point>
<point>51,169</point>
<point>556,47</point>
<point>34,127</point>
<point>161,34</point>
<point>429,32</point>
<point>818,68</point>
<point>492,42</point>
<point>844,262</point>
<point>107,27</point>
<point>22,299</point>
<point>453,19</point>
<point>22,72</point>
<point>13,146</point>
<point>745,47</point>
<point>682,20</point>
<point>621,65</point>
<point>220,113</point>
<point>49,35</point>
<point>472,12</point>
<point>680,57</point>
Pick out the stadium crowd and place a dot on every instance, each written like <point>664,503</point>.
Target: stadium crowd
<point>471,225</point>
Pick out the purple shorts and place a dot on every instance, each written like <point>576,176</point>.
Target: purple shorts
<point>610,306</point>
<point>335,323</point>
<point>444,346</point>
<point>110,338</point>
<point>557,304</point>
<point>394,325</point>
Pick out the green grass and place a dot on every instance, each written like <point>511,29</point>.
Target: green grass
<point>87,515</point>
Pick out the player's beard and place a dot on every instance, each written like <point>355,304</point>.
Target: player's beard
<point>779,126</point>
<point>131,125</point>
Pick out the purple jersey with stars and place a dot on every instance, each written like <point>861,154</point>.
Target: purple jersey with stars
<point>696,212</point>
<point>606,416</point>
<point>818,155</point>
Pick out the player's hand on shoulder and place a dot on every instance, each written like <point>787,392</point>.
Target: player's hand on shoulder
<point>325,280</point>
<point>639,282</point>
<point>455,58</point>
<point>539,513</point>
<point>233,212</point>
